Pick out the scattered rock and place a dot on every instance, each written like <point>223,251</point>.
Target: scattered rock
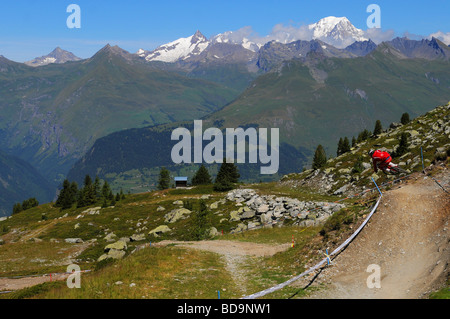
<point>234,216</point>
<point>116,254</point>
<point>247,214</point>
<point>176,214</point>
<point>159,230</point>
<point>267,209</point>
<point>240,227</point>
<point>110,237</point>
<point>118,245</point>
<point>73,240</point>
<point>263,209</point>
<point>213,232</point>
<point>341,190</point>
<point>137,237</point>
<point>214,205</point>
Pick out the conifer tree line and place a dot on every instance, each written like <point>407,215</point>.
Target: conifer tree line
<point>320,157</point>
<point>26,204</point>
<point>91,193</point>
<point>226,178</point>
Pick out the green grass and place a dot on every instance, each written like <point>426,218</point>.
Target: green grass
<point>29,258</point>
<point>443,293</point>
<point>300,193</point>
<point>169,273</point>
<point>173,272</point>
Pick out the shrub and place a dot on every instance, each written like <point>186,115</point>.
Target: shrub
<point>358,167</point>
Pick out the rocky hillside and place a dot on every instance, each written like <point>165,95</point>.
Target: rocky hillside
<point>316,206</point>
<point>431,132</point>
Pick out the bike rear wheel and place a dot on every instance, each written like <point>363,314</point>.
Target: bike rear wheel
<point>397,170</point>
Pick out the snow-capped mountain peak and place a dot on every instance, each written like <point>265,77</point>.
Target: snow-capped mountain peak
<point>233,38</point>
<point>180,49</point>
<point>337,31</point>
<point>58,55</point>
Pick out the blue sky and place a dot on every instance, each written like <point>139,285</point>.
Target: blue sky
<point>31,28</point>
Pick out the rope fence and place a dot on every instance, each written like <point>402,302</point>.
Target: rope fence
<point>322,262</point>
<point>327,259</point>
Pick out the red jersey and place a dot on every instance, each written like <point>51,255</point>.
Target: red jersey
<point>381,158</point>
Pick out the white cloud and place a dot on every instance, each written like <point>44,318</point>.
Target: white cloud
<point>286,34</point>
<point>289,33</point>
<point>444,37</point>
<point>377,35</point>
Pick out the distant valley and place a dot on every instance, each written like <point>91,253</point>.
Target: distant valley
<point>112,114</point>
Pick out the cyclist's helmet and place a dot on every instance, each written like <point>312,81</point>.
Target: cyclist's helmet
<point>370,153</point>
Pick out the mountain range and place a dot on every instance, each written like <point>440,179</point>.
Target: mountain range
<point>52,115</point>
<point>313,98</point>
<point>339,32</point>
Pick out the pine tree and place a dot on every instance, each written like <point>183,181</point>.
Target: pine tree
<point>320,158</point>
<point>345,145</point>
<point>403,145</point>
<point>201,222</point>
<point>202,177</point>
<point>87,181</point>
<point>17,208</point>
<point>104,203</point>
<point>405,118</point>
<point>339,147</point>
<point>81,198</point>
<point>364,135</point>
<point>29,203</point>
<point>74,192</point>
<point>164,179</point>
<point>105,189</point>
<point>89,190</point>
<point>86,196</point>
<point>353,141</point>
<point>97,187</point>
<point>228,175</point>
<point>67,195</point>
<point>378,128</point>
<point>63,194</point>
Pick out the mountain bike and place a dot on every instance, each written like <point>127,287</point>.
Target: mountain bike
<point>392,170</point>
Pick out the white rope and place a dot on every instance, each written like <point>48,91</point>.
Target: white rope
<point>323,261</point>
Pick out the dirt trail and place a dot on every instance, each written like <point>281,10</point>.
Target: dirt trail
<point>224,247</point>
<point>408,238</point>
<point>35,233</point>
<point>234,253</point>
<point>9,284</point>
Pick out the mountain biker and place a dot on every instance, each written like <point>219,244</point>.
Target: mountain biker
<point>381,160</point>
